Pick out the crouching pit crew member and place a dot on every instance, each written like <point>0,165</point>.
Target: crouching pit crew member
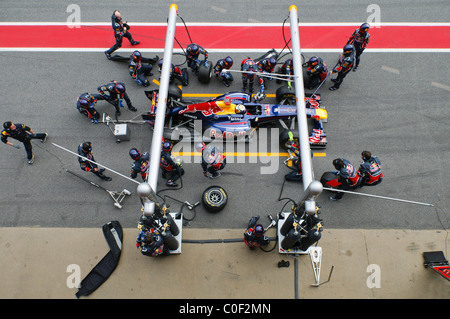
<point>370,170</point>
<point>349,176</point>
<point>23,134</point>
<point>150,243</point>
<point>117,92</point>
<point>220,70</point>
<point>85,150</point>
<point>86,106</point>
<point>254,235</point>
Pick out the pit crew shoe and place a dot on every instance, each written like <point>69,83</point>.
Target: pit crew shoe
<point>171,183</point>
<point>44,139</point>
<point>355,69</point>
<point>333,88</point>
<point>214,176</point>
<point>334,198</point>
<point>135,42</point>
<point>31,161</point>
<point>132,108</point>
<point>108,55</point>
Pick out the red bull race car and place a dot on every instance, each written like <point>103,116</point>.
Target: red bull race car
<point>232,116</point>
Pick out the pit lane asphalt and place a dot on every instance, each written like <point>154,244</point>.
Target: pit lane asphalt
<point>401,118</point>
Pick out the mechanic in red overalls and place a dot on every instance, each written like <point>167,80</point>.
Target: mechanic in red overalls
<point>359,39</point>
<point>370,169</point>
<point>317,71</point>
<point>348,176</point>
<point>212,160</point>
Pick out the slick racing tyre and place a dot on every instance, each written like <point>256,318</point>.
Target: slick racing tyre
<point>170,240</point>
<point>205,72</point>
<point>175,93</point>
<point>285,95</point>
<point>285,143</point>
<point>214,199</point>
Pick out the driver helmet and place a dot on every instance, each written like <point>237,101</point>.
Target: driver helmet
<point>137,56</point>
<point>313,61</point>
<point>200,146</point>
<point>348,48</point>
<point>135,154</point>
<point>167,147</point>
<point>228,62</point>
<point>259,230</point>
<point>364,28</point>
<point>240,109</point>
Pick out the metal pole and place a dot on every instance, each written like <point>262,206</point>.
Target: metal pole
<point>305,150</point>
<point>155,153</point>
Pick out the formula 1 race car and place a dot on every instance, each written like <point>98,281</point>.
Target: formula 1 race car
<point>229,116</point>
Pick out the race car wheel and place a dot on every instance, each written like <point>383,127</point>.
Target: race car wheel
<point>174,93</point>
<point>285,95</point>
<point>285,143</point>
<point>205,72</point>
<point>214,199</point>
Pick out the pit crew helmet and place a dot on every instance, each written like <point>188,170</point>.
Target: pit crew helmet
<point>271,62</point>
<point>137,56</point>
<point>200,146</point>
<point>119,88</point>
<point>194,49</point>
<point>84,103</point>
<point>364,27</point>
<point>167,146</point>
<point>135,154</point>
<point>313,61</point>
<point>228,62</point>
<point>348,48</point>
<point>259,230</point>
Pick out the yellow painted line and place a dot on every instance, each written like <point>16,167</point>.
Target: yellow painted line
<point>246,154</point>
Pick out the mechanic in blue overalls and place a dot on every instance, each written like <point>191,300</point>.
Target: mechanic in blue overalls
<point>348,176</point>
<point>344,66</point>
<point>317,71</point>
<point>359,39</point>
<point>212,160</point>
<point>116,91</point>
<point>138,70</point>
<point>169,166</point>
<point>370,169</point>
<point>287,68</point>
<point>86,106</point>
<point>175,73</point>
<point>254,234</point>
<point>140,164</point>
<point>193,51</point>
<point>221,65</point>
<point>150,243</point>
<point>120,30</point>
<point>250,66</point>
<point>86,159</point>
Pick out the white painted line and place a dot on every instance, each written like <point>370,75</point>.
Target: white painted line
<point>222,10</point>
<point>318,24</point>
<point>440,86</point>
<point>338,50</point>
<point>392,70</point>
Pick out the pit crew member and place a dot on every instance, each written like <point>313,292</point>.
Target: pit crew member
<point>344,66</point>
<point>348,176</point>
<point>24,134</point>
<point>120,30</point>
<point>254,235</point>
<point>138,70</point>
<point>86,105</point>
<point>359,39</point>
<point>212,160</point>
<point>193,51</point>
<point>117,92</point>
<point>317,72</point>
<point>370,169</point>
<point>169,166</point>
<point>85,151</point>
<point>249,67</point>
<point>221,65</point>
<point>140,164</point>
<point>150,243</point>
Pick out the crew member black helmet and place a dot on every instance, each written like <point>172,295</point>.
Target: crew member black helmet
<point>135,154</point>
